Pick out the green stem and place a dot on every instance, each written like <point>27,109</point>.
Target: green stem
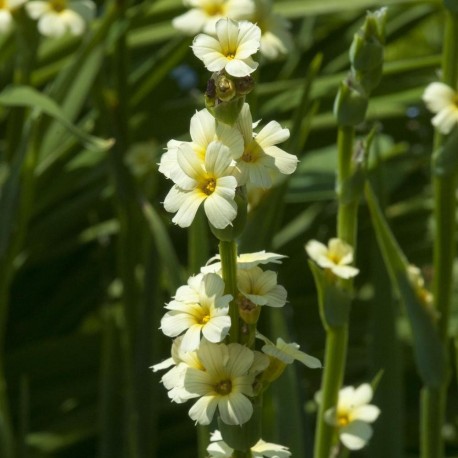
<point>198,250</point>
<point>240,454</point>
<point>347,212</point>
<point>334,365</point>
<point>433,400</point>
<point>228,253</point>
<point>337,337</point>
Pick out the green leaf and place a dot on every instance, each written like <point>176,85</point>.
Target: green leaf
<point>75,98</point>
<point>24,96</point>
<point>175,276</point>
<point>428,350</point>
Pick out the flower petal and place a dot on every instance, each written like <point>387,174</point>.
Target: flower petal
<point>235,409</point>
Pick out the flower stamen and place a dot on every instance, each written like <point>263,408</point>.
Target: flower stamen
<point>209,186</point>
<point>223,388</point>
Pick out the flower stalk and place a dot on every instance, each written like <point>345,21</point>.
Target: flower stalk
<point>366,57</point>
<point>228,253</point>
<point>433,400</point>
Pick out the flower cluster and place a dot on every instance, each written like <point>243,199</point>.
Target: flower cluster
<point>352,415</point>
<point>225,153</point>
<point>203,16</point>
<point>214,358</point>
<point>224,376</point>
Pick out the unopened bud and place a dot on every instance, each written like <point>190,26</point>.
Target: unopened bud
<point>244,85</point>
<point>274,370</point>
<point>225,87</point>
<point>351,103</point>
<point>374,25</point>
<point>248,311</point>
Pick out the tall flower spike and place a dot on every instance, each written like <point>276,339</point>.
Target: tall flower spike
<point>336,257</point>
<point>353,415</point>
<point>210,183</point>
<point>442,100</point>
<point>232,48</point>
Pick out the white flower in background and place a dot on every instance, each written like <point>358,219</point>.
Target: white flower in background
<point>204,14</point>
<point>140,158</point>
<point>6,14</point>
<point>224,384</point>
<point>261,156</point>
<point>207,315</point>
<point>244,261</point>
<point>232,48</point>
<point>418,283</point>
<point>288,352</point>
<point>336,257</point>
<point>276,41</point>
<point>57,17</point>
<point>174,378</point>
<point>443,100</point>
<point>260,287</point>
<point>209,182</point>
<point>219,449</point>
<point>203,131</point>
<point>353,415</point>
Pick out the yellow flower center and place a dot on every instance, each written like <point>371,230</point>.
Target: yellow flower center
<point>252,152</point>
<point>342,419</point>
<point>224,387</point>
<point>205,319</point>
<point>3,5</point>
<point>209,186</point>
<point>58,5</point>
<point>334,257</point>
<point>213,9</point>
<point>230,55</point>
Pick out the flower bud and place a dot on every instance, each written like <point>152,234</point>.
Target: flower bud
<point>365,54</point>
<point>244,85</point>
<point>225,87</point>
<point>231,232</point>
<point>248,311</point>
<point>274,370</point>
<point>366,51</point>
<point>351,103</point>
<point>228,112</point>
<point>374,25</point>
